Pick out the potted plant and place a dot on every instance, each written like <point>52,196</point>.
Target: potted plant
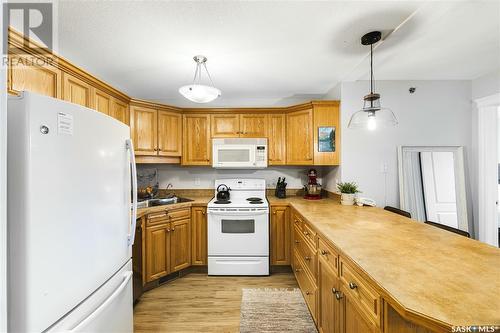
<point>348,191</point>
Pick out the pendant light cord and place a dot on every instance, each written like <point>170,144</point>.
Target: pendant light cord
<point>371,68</point>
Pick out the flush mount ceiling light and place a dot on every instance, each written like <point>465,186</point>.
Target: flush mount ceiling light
<point>197,92</point>
<point>372,115</point>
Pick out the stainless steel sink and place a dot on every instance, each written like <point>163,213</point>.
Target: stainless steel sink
<point>166,201</point>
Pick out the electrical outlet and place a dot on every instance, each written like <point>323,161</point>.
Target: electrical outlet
<point>384,168</point>
<point>197,182</point>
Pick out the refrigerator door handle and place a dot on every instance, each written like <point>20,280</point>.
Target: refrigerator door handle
<point>126,278</point>
<point>131,236</point>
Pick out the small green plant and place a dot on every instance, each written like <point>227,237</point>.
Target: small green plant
<point>348,187</point>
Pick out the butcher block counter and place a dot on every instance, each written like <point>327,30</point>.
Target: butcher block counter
<point>428,275</point>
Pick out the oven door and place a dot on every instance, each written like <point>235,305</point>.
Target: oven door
<point>233,156</point>
<point>238,233</point>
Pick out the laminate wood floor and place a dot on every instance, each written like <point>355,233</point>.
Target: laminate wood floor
<point>200,303</point>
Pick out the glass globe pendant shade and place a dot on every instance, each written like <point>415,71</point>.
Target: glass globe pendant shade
<point>199,93</point>
<point>372,115</point>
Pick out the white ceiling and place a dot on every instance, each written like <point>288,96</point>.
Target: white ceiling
<point>263,53</point>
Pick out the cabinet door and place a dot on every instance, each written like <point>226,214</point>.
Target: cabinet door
<point>276,139</point>
<point>77,91</point>
<point>199,236</point>
<point>280,236</point>
<point>144,131</point>
<point>102,102</point>
<point>326,115</point>
<point>225,125</point>
<point>157,251</point>
<point>196,137</point>
<point>329,305</point>
<point>299,138</point>
<point>169,133</point>
<point>253,125</point>
<point>44,80</point>
<point>180,248</point>
<point>119,111</point>
<point>351,318</point>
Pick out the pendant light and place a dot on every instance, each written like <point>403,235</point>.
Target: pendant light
<point>197,92</point>
<point>372,115</point>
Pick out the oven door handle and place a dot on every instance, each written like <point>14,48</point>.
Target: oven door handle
<point>245,213</point>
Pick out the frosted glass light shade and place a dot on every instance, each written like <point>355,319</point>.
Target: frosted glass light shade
<point>370,119</point>
<point>199,93</point>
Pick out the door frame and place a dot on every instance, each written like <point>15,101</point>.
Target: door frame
<point>487,181</point>
<point>3,192</point>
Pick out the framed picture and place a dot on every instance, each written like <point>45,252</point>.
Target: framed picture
<point>326,139</point>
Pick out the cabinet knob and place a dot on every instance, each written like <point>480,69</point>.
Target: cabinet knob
<point>306,233</point>
<point>173,229</point>
<point>323,252</point>
<point>334,291</point>
<point>168,230</point>
<point>297,242</point>
<point>274,213</point>
<point>202,213</point>
<point>353,285</point>
<point>308,293</point>
<point>338,295</point>
<point>307,258</point>
<point>297,270</point>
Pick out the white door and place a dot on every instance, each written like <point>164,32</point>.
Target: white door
<point>438,179</point>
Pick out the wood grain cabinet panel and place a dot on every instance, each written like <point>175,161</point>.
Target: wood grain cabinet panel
<point>120,111</point>
<point>44,80</point>
<point>299,138</point>
<point>197,141</point>
<point>77,91</point>
<point>199,236</point>
<point>225,125</point>
<point>144,130</point>
<point>351,319</point>
<point>253,125</point>
<point>157,251</point>
<point>327,115</point>
<point>280,235</point>
<point>169,133</point>
<point>180,238</point>
<point>277,139</point>
<point>328,298</point>
<point>102,102</point>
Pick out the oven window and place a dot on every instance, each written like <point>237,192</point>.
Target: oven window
<point>238,226</point>
<point>234,155</point>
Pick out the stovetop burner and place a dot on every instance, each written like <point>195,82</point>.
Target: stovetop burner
<point>256,202</point>
<point>222,202</point>
<point>254,199</point>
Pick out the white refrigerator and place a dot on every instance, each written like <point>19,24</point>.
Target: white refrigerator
<point>70,182</point>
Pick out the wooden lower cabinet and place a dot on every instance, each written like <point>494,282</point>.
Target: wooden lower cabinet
<point>199,236</point>
<point>157,251</point>
<point>329,298</point>
<point>180,244</point>
<point>280,235</point>
<point>352,319</point>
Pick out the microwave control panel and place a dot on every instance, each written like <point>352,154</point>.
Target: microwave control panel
<point>260,154</point>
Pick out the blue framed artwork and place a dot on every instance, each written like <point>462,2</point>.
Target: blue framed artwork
<point>326,139</point>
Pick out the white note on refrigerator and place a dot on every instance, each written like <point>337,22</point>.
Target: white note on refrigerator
<point>64,123</point>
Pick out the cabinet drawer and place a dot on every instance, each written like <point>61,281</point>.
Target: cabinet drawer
<point>297,220</point>
<point>178,214</point>
<point>329,255</point>
<point>307,254</point>
<point>307,286</point>
<point>309,234</point>
<point>360,291</point>
<point>156,218</point>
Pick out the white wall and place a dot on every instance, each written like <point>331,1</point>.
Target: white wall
<point>203,177</point>
<point>438,113</point>
<point>486,85</point>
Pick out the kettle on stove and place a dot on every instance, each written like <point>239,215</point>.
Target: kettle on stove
<point>223,192</point>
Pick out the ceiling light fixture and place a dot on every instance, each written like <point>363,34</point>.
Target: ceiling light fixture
<point>197,92</point>
<point>372,115</point>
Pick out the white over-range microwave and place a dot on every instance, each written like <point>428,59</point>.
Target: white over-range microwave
<point>239,153</point>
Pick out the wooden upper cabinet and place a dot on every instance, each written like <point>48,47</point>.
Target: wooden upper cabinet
<point>199,236</point>
<point>120,111</point>
<point>299,137</point>
<point>326,116</point>
<point>280,235</point>
<point>102,102</point>
<point>197,141</point>
<point>77,91</point>
<point>169,133</point>
<point>144,130</point>
<point>225,125</point>
<point>253,125</point>
<point>180,244</point>
<point>276,139</point>
<point>44,80</point>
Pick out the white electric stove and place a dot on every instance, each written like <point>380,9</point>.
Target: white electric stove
<point>238,229</point>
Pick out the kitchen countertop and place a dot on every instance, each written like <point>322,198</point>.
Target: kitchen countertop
<point>197,201</point>
<point>423,271</point>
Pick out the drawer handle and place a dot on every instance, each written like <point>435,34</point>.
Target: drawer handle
<point>298,270</point>
<point>297,242</point>
<point>202,213</point>
<point>173,229</point>
<point>306,233</point>
<point>353,285</point>
<point>334,291</point>
<point>296,221</point>
<point>323,252</point>
<point>308,293</point>
<point>307,258</point>
<point>338,295</point>
<point>168,230</point>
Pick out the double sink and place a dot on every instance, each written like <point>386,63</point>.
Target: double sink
<point>161,202</point>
